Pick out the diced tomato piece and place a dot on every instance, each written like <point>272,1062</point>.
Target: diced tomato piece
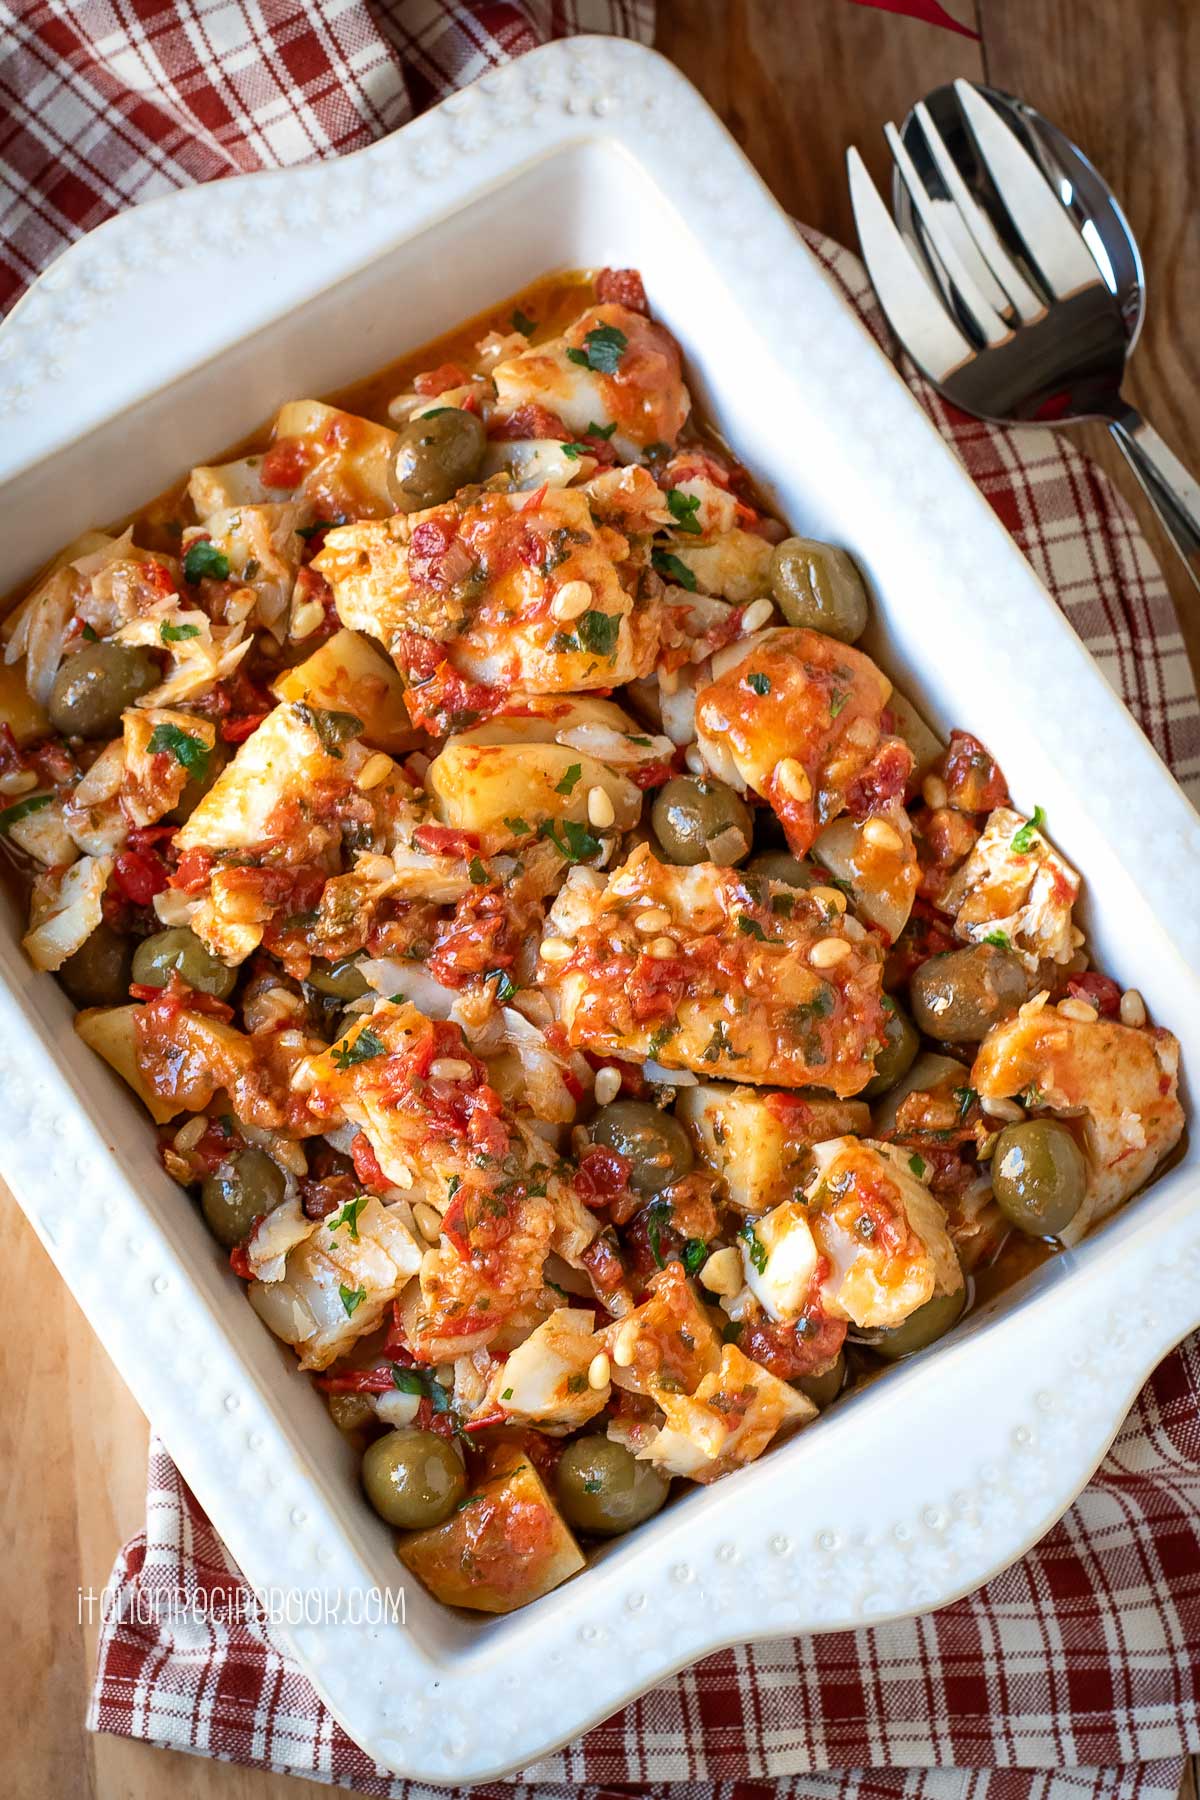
<point>622,287</point>
<point>445,840</point>
<point>1100,991</point>
<point>287,462</point>
<point>602,1175</point>
<point>437,381</point>
<point>366,1165</point>
<point>138,875</point>
<point>974,782</point>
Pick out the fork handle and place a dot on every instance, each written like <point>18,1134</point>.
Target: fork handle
<point>1173,493</point>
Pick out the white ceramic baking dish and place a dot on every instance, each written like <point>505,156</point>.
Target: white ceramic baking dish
<point>174,329</point>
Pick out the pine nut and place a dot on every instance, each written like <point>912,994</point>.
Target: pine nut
<point>1000,1108</point>
<point>308,617</point>
<point>290,1156</point>
<point>599,1371</point>
<point>189,1135</point>
<point>601,811</point>
<point>669,680</point>
<point>1079,1010</point>
<point>625,1345</point>
<point>722,1273</point>
<point>934,793</point>
<point>608,1085</point>
<point>374,770</point>
<point>828,952</point>
<point>450,1068</point>
<point>1133,1008</point>
<point>829,897</point>
<point>693,756</point>
<point>404,1178</point>
<point>791,778</point>
<point>556,949</point>
<point>18,781</point>
<point>655,918</point>
<point>427,1222</point>
<point>572,598</point>
<point>756,615</point>
<point>882,836</point>
<point>662,947</point>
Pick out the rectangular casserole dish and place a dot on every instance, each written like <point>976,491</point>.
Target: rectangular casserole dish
<point>172,331</point>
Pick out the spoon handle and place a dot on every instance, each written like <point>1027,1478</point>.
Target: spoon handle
<point>1173,493</point>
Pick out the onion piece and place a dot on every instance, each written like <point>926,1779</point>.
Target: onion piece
<point>393,975</point>
<point>655,1072</point>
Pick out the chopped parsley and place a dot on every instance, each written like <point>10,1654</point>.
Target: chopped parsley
<point>683,509</point>
<point>604,346</point>
<point>966,1097</point>
<point>421,1381</point>
<point>917,1165</point>
<point>598,632</point>
<point>477,872</point>
<point>643,743</point>
<point>365,1046</point>
<point>332,728</point>
<point>783,904</point>
<point>203,559</point>
<point>523,323</point>
<point>658,1214</point>
<point>837,700</point>
<point>756,1249</point>
<point>695,1255</point>
<point>89,635</point>
<point>507,1394</point>
<point>750,927</point>
<point>569,780</point>
<point>21,809</point>
<point>761,684</point>
<point>577,1384</point>
<point>504,987</point>
<point>669,565</point>
<point>1033,1096</point>
<point>660,1037</point>
<point>519,827</point>
<point>999,938</point>
<point>351,1298</point>
<point>718,1045</point>
<point>574,451</point>
<point>175,634</point>
<point>1022,841</point>
<point>349,1215</point>
<point>452,1186</point>
<point>191,753</point>
<point>576,842</point>
<point>600,431</point>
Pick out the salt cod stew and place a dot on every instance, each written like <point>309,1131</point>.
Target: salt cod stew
<point>599,1018</point>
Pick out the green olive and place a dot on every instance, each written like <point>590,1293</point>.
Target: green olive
<point>958,996</point>
<point>95,685</point>
<point>179,950</point>
<point>350,1412</point>
<point>929,1322</point>
<point>343,980</point>
<point>98,974</point>
<point>245,1186</point>
<point>692,818</point>
<point>435,455</point>
<point>824,1389</point>
<point>603,1489</point>
<point>413,1479</point>
<point>196,786</point>
<point>655,1143</point>
<point>817,585</point>
<point>781,865</point>
<point>1039,1176</point>
<point>900,1045</point>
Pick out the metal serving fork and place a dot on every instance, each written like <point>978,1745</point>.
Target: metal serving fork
<point>1030,334</point>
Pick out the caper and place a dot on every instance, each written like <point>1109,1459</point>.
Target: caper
<point>603,1489</point>
<point>343,979</point>
<point>697,820</point>
<point>196,786</point>
<point>929,1322</point>
<point>657,1146</point>
<point>1039,1176</point>
<point>98,973</point>
<point>179,951</point>
<point>958,996</point>
<point>817,585</point>
<point>95,685</point>
<point>246,1185</point>
<point>413,1479</point>
<point>900,1045</point>
<point>824,1389</point>
<point>780,865</point>
<point>435,455</point>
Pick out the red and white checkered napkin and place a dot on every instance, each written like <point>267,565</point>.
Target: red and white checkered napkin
<point>1077,1671</point>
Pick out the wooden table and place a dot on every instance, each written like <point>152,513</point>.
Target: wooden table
<point>796,81</point>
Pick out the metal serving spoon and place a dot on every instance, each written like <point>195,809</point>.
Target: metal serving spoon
<point>1009,314</point>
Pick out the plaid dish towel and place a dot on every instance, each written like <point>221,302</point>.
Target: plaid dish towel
<point>1076,1673</point>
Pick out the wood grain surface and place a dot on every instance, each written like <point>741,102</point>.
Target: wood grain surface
<point>796,81</point>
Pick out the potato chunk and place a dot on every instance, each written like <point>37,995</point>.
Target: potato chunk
<point>472,585</point>
<point>665,1345</point>
<point>336,459</point>
<point>507,1543</point>
<point>797,716</point>
<point>347,674</point>
<point>728,1422</point>
<point>285,759</point>
<point>1015,882</point>
<point>881,1231</point>
<point>479,787</point>
<point>759,1140</point>
<point>706,968</point>
<point>1121,1083</point>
